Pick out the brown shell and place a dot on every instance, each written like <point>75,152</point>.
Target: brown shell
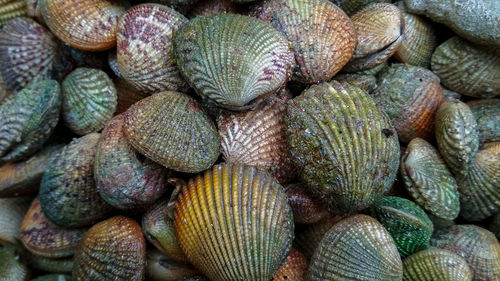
<point>308,237</point>
<point>127,95</point>
<point>12,212</point>
<point>294,269</point>
<point>306,208</point>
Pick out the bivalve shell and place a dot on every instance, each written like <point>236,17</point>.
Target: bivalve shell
<point>11,268</point>
<point>306,208</point>
<point>12,210</point>
<point>127,95</point>
<point>294,269</point>
<point>352,6</point>
<point>436,264</point>
<point>10,9</point>
<point>487,114</point>
<point>366,82</point>
<point>162,268</point>
<point>53,265</point>
<point>309,236</point>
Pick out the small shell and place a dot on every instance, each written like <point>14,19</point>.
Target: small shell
<point>10,9</point>
<point>309,236</point>
<point>63,265</point>
<point>366,82</point>
<point>306,208</point>
<point>53,277</point>
<point>162,268</point>
<point>12,212</point>
<point>172,130</point>
<point>436,264</point>
<point>487,114</point>
<point>356,248</point>
<point>235,61</point>
<point>11,268</point>
<point>212,7</point>
<point>294,269</point>
<point>113,249</point>
<point>127,95</point>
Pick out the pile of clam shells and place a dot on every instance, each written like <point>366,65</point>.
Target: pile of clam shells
<point>250,140</point>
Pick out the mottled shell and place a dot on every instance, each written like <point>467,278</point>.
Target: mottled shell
<point>127,95</point>
<point>252,223</point>
<point>328,127</point>
<point>294,269</point>
<point>487,114</point>
<point>457,135</point>
<point>12,212</point>
<point>84,24</point>
<point>410,95</point>
<point>235,61</point>
<point>322,35</point>
<point>212,7</point>
<point>258,138</point>
<point>172,130</point>
<point>309,236</point>
<point>10,9</point>
<point>53,277</point>
<point>306,208</point>
<point>113,249</point>
<point>27,53</point>
<point>429,181</point>
<point>68,193</point>
<point>356,248</point>
<point>476,245</point>
<point>162,268</point>
<point>144,48</point>
<point>436,264</point>
<point>11,267</point>
<point>366,82</point>
<point>53,265</point>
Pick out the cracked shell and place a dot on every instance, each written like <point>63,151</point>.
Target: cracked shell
<point>436,264</point>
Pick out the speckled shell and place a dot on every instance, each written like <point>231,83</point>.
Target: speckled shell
<point>436,264</point>
<point>181,137</point>
<point>11,268</point>
<point>252,223</point>
<point>327,129</point>
<point>162,268</point>
<point>12,210</point>
<point>429,181</point>
<point>68,193</point>
<point>476,245</point>
<point>113,249</point>
<point>27,53</point>
<point>53,277</point>
<point>144,48</point>
<point>322,35</point>
<point>84,24</point>
<point>366,82</point>
<point>309,236</point>
<point>258,138</point>
<point>410,95</point>
<point>487,114</point>
<point>53,265</point>
<point>294,269</point>
<point>212,7</point>
<point>10,9</point>
<point>356,248</point>
<point>235,61</point>
<point>457,135</point>
<point>306,208</point>
<point>468,69</point>
<point>127,95</point>
<point>43,238</point>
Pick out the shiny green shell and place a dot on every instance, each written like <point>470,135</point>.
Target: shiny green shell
<point>436,264</point>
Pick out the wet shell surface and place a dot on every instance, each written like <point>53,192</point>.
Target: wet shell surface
<point>294,269</point>
<point>162,268</point>
<point>113,249</point>
<point>12,210</point>
<point>10,9</point>
<point>487,114</point>
<point>309,236</point>
<point>11,268</point>
<point>252,223</point>
<point>327,129</point>
<point>322,35</point>
<point>235,61</point>
<point>356,248</point>
<point>172,130</point>
<point>306,208</point>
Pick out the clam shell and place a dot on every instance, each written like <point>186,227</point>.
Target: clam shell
<point>487,114</point>
<point>252,224</point>
<point>306,208</point>
<point>345,148</point>
<point>212,7</point>
<point>127,95</point>
<point>12,210</point>
<point>295,268</point>
<point>113,249</point>
<point>10,9</point>
<point>53,277</point>
<point>172,130</point>
<point>309,236</point>
<point>366,82</point>
<point>322,35</point>
<point>53,265</point>
<point>144,48</point>
<point>356,248</point>
<point>235,61</point>
<point>162,268</point>
<point>352,6</point>
<point>436,264</point>
<point>33,10</point>
<point>451,95</point>
<point>11,268</point>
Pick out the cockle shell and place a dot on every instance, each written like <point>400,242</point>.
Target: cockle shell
<point>352,6</point>
<point>436,264</point>
<point>33,10</point>
<point>53,265</point>
<point>53,277</point>
<point>12,210</point>
<point>212,7</point>
<point>306,208</point>
<point>295,268</point>
<point>366,82</point>
<point>487,114</point>
<point>10,9</point>
<point>11,268</point>
<point>162,268</point>
<point>127,95</point>
<point>309,236</point>
<point>448,94</point>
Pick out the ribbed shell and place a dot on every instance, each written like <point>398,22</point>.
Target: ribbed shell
<point>294,269</point>
<point>309,236</point>
<point>476,245</point>
<point>366,82</point>
<point>33,10</point>
<point>457,135</point>
<point>162,268</point>
<point>212,7</point>
<point>428,180</point>
<point>53,277</point>
<point>345,148</point>
<point>172,130</point>
<point>410,95</point>
<point>10,9</point>
<point>12,212</point>
<point>89,100</point>
<point>68,193</point>
<point>235,61</point>
<point>306,208</point>
<point>113,249</point>
<point>352,6</point>
<point>468,69</point>
<point>44,238</point>
<point>251,223</point>
<point>436,264</point>
<point>487,114</point>
<point>27,53</point>
<point>127,95</point>
<point>144,48</point>
<point>11,268</point>
<point>322,35</point>
<point>62,265</point>
<point>84,24</point>
<point>258,138</point>
<point>356,248</point>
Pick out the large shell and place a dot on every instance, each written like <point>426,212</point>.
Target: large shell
<point>144,48</point>
<point>162,268</point>
<point>251,223</point>
<point>68,193</point>
<point>294,269</point>
<point>11,268</point>
<point>356,248</point>
<point>113,249</point>
<point>12,212</point>
<point>429,181</point>
<point>235,61</point>
<point>171,129</point>
<point>306,209</point>
<point>309,236</point>
<point>345,148</point>
<point>10,9</point>
<point>487,114</point>
<point>322,35</point>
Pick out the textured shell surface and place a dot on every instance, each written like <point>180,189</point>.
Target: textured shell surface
<point>322,35</point>
<point>68,194</point>
<point>428,180</point>
<point>356,248</point>
<point>10,9</point>
<point>53,277</point>
<point>127,95</point>
<point>352,6</point>
<point>171,129</point>
<point>161,268</point>
<point>436,264</point>
<point>12,210</point>
<point>145,48</point>
<point>11,268</point>
<point>212,7</point>
<point>309,236</point>
<point>467,68</point>
<point>113,249</point>
<point>345,148</point>
<point>366,82</point>
<point>295,268</point>
<point>448,94</point>
<point>252,223</point>
<point>53,265</point>
<point>235,61</point>
<point>487,114</point>
<point>306,208</point>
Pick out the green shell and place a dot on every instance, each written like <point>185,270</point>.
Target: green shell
<point>436,264</point>
<point>52,265</point>
<point>12,212</point>
<point>235,61</point>
<point>352,6</point>
<point>10,9</point>
<point>345,148</point>
<point>53,277</point>
<point>11,267</point>
<point>487,114</point>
